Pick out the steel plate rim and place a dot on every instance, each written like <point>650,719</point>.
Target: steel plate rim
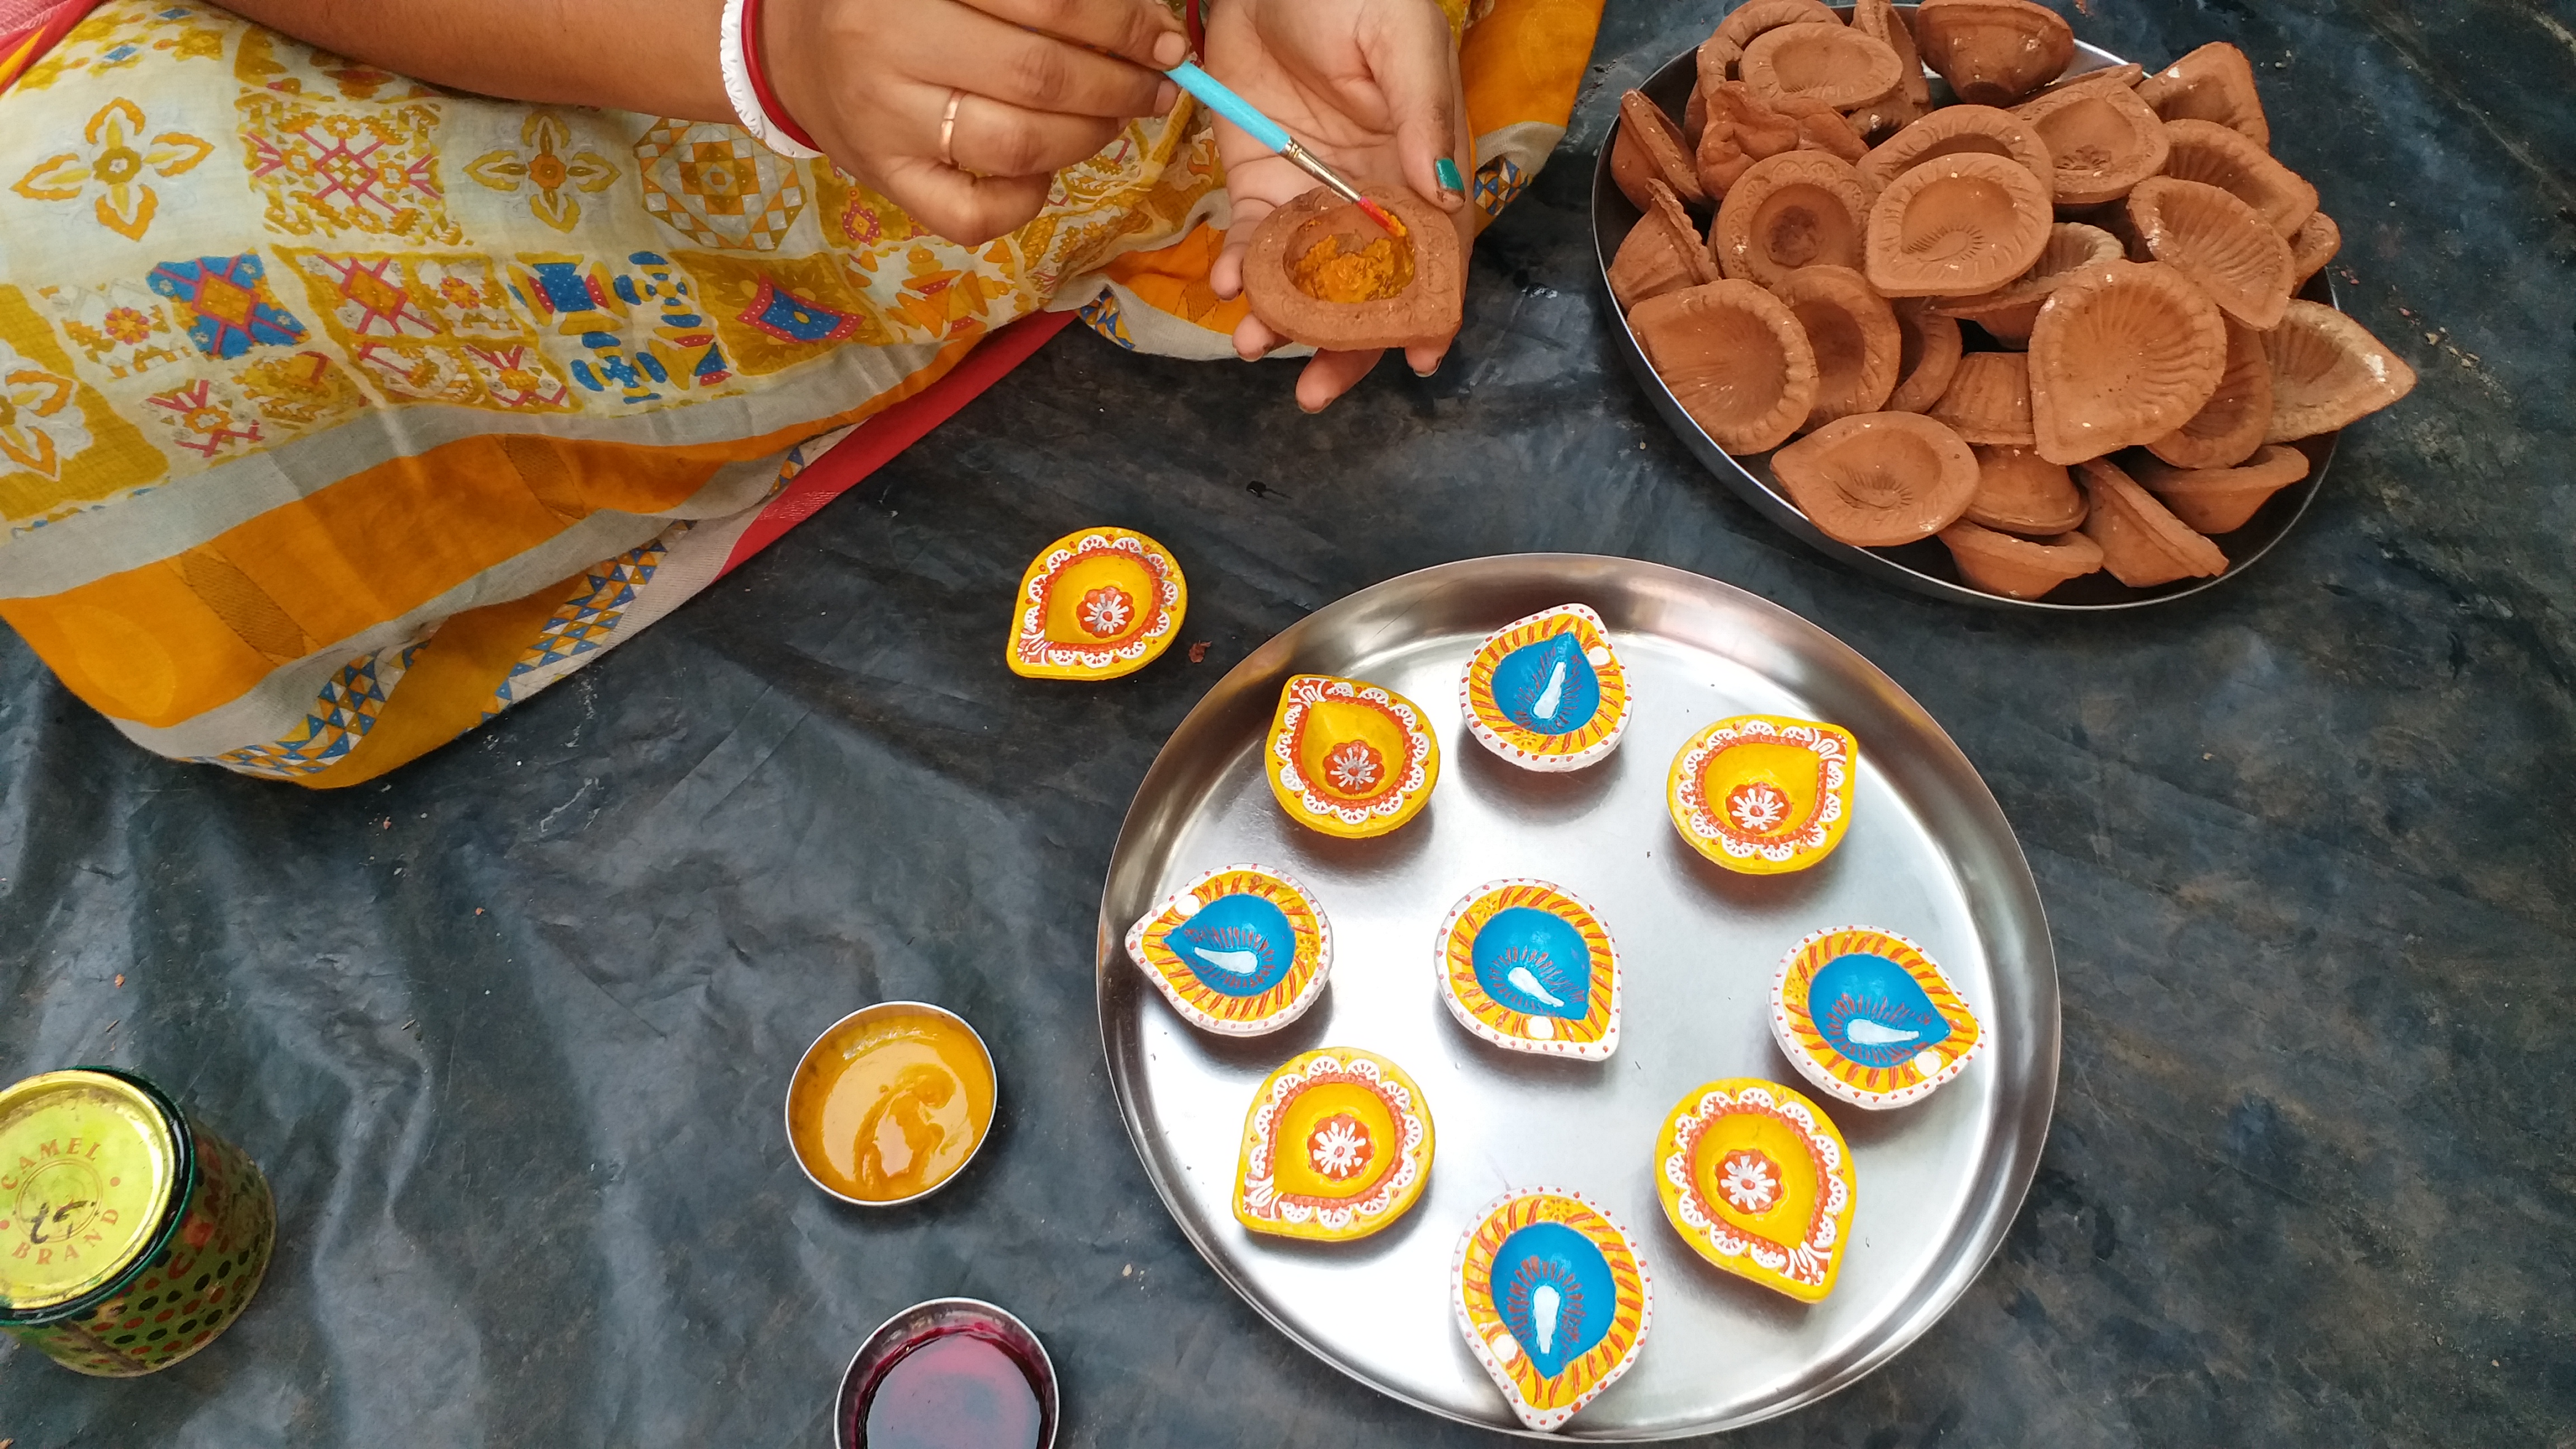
<point>1751,488</point>
<point>2030,1134</point>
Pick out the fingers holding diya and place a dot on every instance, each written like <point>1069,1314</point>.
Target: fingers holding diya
<point>1547,692</point>
<point>1241,950</point>
<point>1096,604</point>
<point>1553,1300</point>
<point>1764,794</point>
<point>1758,1181</point>
<point>890,1103</point>
<point>1349,758</point>
<point>1337,1145</point>
<point>1528,966</point>
<point>1867,1016</point>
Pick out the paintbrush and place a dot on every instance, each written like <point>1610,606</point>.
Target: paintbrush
<point>1213,94</point>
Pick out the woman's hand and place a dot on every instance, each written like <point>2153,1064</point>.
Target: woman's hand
<point>1040,85</point>
<point>1372,87</point>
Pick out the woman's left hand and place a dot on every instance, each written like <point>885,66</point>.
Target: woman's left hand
<point>1372,87</point>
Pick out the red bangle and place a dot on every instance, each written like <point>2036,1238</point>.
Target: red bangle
<point>759,75</point>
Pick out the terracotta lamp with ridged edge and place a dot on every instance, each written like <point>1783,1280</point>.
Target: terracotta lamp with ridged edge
<point>1322,273</point>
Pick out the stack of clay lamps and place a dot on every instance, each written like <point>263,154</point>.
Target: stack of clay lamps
<point>2052,324</point>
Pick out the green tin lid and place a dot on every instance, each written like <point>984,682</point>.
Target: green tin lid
<point>88,1162</point>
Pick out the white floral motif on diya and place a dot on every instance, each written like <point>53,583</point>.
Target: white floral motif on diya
<point>1240,950</point>
<point>1096,604</point>
<point>1337,1145</point>
<point>1869,1016</point>
<point>1349,758</point>
<point>1761,794</point>
<point>1547,692</point>
<point>1528,965</point>
<point>1552,1299</point>
<point>1756,1178</point>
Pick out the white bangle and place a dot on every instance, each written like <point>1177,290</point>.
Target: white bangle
<point>737,84</point>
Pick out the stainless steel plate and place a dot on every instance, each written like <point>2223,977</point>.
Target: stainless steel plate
<point>1928,854</point>
<point>1924,567</point>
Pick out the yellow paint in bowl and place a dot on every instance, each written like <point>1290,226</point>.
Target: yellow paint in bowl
<point>890,1103</point>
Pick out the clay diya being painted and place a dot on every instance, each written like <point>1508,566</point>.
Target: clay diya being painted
<point>1867,1016</point>
<point>1096,604</point>
<point>1547,692</point>
<point>1553,1299</point>
<point>1349,758</point>
<point>1763,794</point>
<point>1322,273</point>
<point>1526,965</point>
<point>1241,950</point>
<point>1337,1145</point>
<point>1754,1176</point>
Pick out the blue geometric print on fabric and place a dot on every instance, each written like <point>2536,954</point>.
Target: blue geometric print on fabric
<point>1238,945</point>
<point>1553,1289</point>
<point>1873,1011</point>
<point>1534,963</point>
<point>784,315</point>
<point>223,294</point>
<point>1548,687</point>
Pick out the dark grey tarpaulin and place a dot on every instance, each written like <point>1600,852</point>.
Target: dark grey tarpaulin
<point>510,1031</point>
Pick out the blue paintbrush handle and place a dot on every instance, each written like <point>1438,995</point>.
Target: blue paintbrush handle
<point>1212,93</point>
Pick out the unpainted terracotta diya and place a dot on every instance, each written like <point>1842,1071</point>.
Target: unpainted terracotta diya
<point>2327,372</point>
<point>1988,401</point>
<point>1956,226</point>
<point>2313,245</point>
<point>890,1103</point>
<point>1879,479</point>
<point>2121,355</point>
<point>2215,155</point>
<point>1928,355</point>
<point>2220,500</point>
<point>1349,758</point>
<point>1661,253</point>
<point>2018,568</point>
<point>2019,491</point>
<point>1547,692</point>
<point>1866,1015</point>
<point>1649,147</point>
<point>1528,965</point>
<point>1735,359</point>
<point>2143,544</point>
<point>1723,51</point>
<point>1993,52</point>
<point>1241,950</point>
<point>1833,65</point>
<point>1912,97</point>
<point>1857,342</point>
<point>1096,604</point>
<point>2008,312</point>
<point>2230,426</point>
<point>1337,1145</point>
<point>1322,273</point>
<point>1553,1300</point>
<point>2217,241</point>
<point>1954,130</point>
<point>1758,1181</point>
<point>2214,83</point>
<point>1795,209</point>
<point>2102,140</point>
<point>1763,794</point>
<point>1744,128</point>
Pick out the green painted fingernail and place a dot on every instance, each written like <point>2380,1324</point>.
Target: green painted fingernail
<point>1450,180</point>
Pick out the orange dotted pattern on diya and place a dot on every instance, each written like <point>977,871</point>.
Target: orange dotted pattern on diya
<point>1150,945</point>
<point>1353,786</point>
<point>1128,609</point>
<point>1507,737</point>
<point>1794,1022</point>
<point>1374,1173</point>
<point>1545,1401</point>
<point>1764,793</point>
<point>1774,1150</point>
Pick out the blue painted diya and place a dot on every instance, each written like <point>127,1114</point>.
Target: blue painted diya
<point>1241,950</point>
<point>1553,1299</point>
<point>1547,692</point>
<point>1867,1016</point>
<point>1528,965</point>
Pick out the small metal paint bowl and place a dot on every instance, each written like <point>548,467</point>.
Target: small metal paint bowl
<point>918,1325</point>
<point>806,1082</point>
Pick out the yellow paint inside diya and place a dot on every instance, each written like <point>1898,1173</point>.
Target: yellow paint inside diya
<point>1349,758</point>
<point>1337,1145</point>
<point>890,1103</point>
<point>1757,1179</point>
<point>1764,794</point>
<point>1096,604</point>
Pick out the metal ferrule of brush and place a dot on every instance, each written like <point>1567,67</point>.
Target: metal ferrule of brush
<point>1307,162</point>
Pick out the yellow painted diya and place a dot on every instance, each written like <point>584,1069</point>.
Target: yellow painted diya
<point>1350,758</point>
<point>1337,1145</point>
<point>1763,794</point>
<point>1552,1298</point>
<point>890,1103</point>
<point>1241,950</point>
<point>1867,1016</point>
<point>1547,692</point>
<point>1096,604</point>
<point>1529,966</point>
<point>1755,1177</point>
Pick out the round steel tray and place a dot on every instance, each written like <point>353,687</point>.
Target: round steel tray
<point>1924,566</point>
<point>1928,855</point>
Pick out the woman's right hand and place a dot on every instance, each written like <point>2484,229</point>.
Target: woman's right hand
<point>1041,84</point>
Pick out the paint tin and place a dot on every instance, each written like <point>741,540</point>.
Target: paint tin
<point>936,1323</point>
<point>129,1235</point>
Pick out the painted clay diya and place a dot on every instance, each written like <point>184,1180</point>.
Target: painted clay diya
<point>1547,692</point>
<point>890,1103</point>
<point>1756,1178</point>
<point>1867,1016</point>
<point>1096,604</point>
<point>1553,1299</point>
<point>1762,794</point>
<point>1337,1145</point>
<point>1349,758</point>
<point>130,1236</point>
<point>1321,272</point>
<point>1241,950</point>
<point>1529,966</point>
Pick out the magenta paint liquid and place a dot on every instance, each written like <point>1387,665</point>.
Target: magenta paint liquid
<point>954,1391</point>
